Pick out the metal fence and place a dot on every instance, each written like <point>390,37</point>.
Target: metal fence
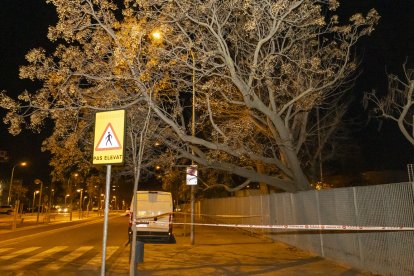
<point>386,253</point>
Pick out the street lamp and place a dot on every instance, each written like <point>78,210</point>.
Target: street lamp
<point>80,201</point>
<point>34,197</point>
<point>83,201</point>
<point>52,196</point>
<point>37,182</point>
<point>101,201</point>
<point>11,180</point>
<point>115,204</point>
<point>156,36</point>
<point>65,199</point>
<point>69,185</point>
<point>69,193</point>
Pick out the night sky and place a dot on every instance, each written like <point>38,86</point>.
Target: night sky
<point>24,26</point>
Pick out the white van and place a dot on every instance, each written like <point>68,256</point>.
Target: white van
<point>154,217</point>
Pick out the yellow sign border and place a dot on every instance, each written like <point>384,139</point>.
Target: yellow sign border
<point>116,119</point>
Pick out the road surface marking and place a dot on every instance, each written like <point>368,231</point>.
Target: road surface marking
<point>96,262</point>
<point>68,258</point>
<point>34,259</point>
<point>17,253</point>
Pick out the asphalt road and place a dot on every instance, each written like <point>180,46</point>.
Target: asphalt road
<point>71,248</point>
<point>74,248</point>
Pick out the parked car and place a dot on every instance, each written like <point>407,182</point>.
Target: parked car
<point>6,209</point>
<point>153,217</point>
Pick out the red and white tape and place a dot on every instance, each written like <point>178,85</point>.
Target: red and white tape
<point>289,226</point>
<point>306,227</point>
<point>219,216</point>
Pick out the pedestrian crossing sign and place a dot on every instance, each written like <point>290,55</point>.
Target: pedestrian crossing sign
<point>109,137</point>
<point>109,140</point>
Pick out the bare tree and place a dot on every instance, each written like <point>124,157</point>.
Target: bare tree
<point>257,69</point>
<point>261,69</point>
<point>398,104</point>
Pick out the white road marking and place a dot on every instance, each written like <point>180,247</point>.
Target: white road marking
<point>95,262</point>
<point>68,258</point>
<point>5,249</point>
<point>17,253</point>
<point>34,258</point>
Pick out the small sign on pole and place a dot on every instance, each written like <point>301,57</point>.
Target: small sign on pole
<point>191,175</point>
<point>109,137</point>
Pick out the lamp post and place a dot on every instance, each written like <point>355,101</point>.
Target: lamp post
<point>11,180</point>
<point>34,197</point>
<point>37,182</point>
<point>83,201</point>
<point>115,203</point>
<point>101,203</point>
<point>51,195</point>
<point>66,196</point>
<point>80,201</point>
<point>69,193</point>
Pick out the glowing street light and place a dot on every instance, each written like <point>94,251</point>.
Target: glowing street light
<point>34,197</point>
<point>66,196</point>
<point>156,35</point>
<point>80,201</point>
<point>69,193</point>
<point>37,182</point>
<point>22,164</point>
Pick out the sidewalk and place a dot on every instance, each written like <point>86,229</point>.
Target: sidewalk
<point>30,221</point>
<point>219,251</point>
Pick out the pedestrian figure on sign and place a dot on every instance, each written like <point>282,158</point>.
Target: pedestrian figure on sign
<point>108,139</point>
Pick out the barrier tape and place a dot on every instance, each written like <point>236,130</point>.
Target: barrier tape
<point>220,216</point>
<point>303,227</point>
<point>199,215</point>
<point>285,226</point>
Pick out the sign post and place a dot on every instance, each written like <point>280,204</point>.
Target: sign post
<point>108,149</point>
<point>191,179</point>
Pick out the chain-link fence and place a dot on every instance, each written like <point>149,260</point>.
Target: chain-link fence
<point>387,253</point>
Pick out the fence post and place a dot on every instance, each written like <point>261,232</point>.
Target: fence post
<point>361,255</point>
<point>319,222</point>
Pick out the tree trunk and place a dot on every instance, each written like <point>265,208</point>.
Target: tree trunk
<point>264,189</point>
